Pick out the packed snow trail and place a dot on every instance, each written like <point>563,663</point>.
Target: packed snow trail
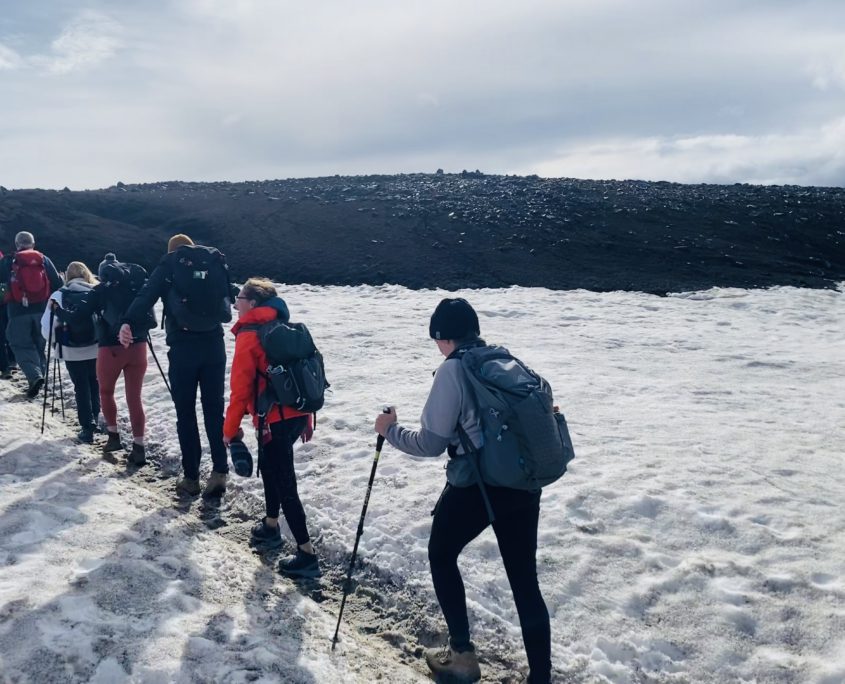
<point>107,577</point>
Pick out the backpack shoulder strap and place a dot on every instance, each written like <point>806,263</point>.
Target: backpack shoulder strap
<point>255,327</point>
<point>471,452</point>
<point>472,455</point>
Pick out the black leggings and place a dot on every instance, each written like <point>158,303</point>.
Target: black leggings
<point>279,477</point>
<point>86,389</point>
<point>459,518</point>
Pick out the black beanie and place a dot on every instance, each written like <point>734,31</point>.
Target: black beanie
<point>103,268</point>
<point>453,319</point>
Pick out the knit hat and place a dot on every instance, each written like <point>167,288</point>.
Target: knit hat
<point>453,319</point>
<point>104,267</point>
<point>177,241</point>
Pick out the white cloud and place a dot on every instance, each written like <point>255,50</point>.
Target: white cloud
<point>89,39</point>
<point>9,59</point>
<point>808,157</point>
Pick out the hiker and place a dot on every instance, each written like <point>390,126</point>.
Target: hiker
<point>193,283</point>
<point>27,277</point>
<point>74,339</point>
<point>6,356</point>
<point>119,283</point>
<point>460,514</point>
<point>258,303</point>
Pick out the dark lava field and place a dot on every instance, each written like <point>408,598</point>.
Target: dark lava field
<point>457,230</point>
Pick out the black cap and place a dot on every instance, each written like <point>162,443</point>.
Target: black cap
<point>453,319</point>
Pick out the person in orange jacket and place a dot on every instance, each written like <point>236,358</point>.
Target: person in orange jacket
<point>258,303</point>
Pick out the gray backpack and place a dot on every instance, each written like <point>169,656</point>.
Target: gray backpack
<point>526,440</point>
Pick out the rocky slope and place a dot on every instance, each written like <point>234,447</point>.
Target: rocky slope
<point>458,230</point>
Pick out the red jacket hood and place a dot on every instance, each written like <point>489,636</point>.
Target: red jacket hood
<point>257,316</point>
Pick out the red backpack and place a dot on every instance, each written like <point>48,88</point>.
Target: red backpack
<point>28,283</point>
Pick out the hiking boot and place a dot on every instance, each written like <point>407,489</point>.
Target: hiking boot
<point>531,679</point>
<point>301,565</point>
<point>35,388</point>
<point>85,435</point>
<point>216,484</point>
<point>138,454</point>
<point>453,666</point>
<point>266,537</point>
<point>112,443</point>
<point>188,486</point>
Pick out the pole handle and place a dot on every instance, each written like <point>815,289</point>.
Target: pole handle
<point>380,438</point>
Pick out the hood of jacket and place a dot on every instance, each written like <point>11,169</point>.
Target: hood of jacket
<point>257,316</point>
<point>78,285</point>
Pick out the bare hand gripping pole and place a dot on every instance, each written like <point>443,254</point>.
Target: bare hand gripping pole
<point>347,583</point>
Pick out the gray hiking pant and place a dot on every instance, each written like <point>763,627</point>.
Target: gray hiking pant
<point>23,333</point>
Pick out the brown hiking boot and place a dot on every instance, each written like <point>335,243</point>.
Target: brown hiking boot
<point>453,666</point>
<point>138,455</point>
<point>216,484</point>
<point>188,486</point>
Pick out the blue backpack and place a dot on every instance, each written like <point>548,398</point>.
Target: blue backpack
<point>526,442</point>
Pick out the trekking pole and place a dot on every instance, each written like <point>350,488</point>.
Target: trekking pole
<point>61,387</point>
<point>49,344</point>
<point>53,397</point>
<point>346,584</point>
<point>153,352</point>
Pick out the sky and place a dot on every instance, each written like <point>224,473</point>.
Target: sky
<point>92,93</point>
<point>698,535</point>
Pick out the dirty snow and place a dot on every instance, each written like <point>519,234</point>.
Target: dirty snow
<point>699,535</point>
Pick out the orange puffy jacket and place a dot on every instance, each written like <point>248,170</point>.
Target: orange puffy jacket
<point>250,362</point>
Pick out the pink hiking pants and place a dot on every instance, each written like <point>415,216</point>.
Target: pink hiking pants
<point>132,361</point>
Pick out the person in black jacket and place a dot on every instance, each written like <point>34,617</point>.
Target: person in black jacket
<point>192,282</point>
<point>27,278</point>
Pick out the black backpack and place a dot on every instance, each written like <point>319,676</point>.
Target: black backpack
<point>200,297</point>
<point>78,319</point>
<point>120,283</point>
<point>295,374</point>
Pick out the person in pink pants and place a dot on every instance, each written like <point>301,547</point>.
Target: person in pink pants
<point>132,362</point>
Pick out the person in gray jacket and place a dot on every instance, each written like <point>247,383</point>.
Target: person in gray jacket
<point>460,514</point>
